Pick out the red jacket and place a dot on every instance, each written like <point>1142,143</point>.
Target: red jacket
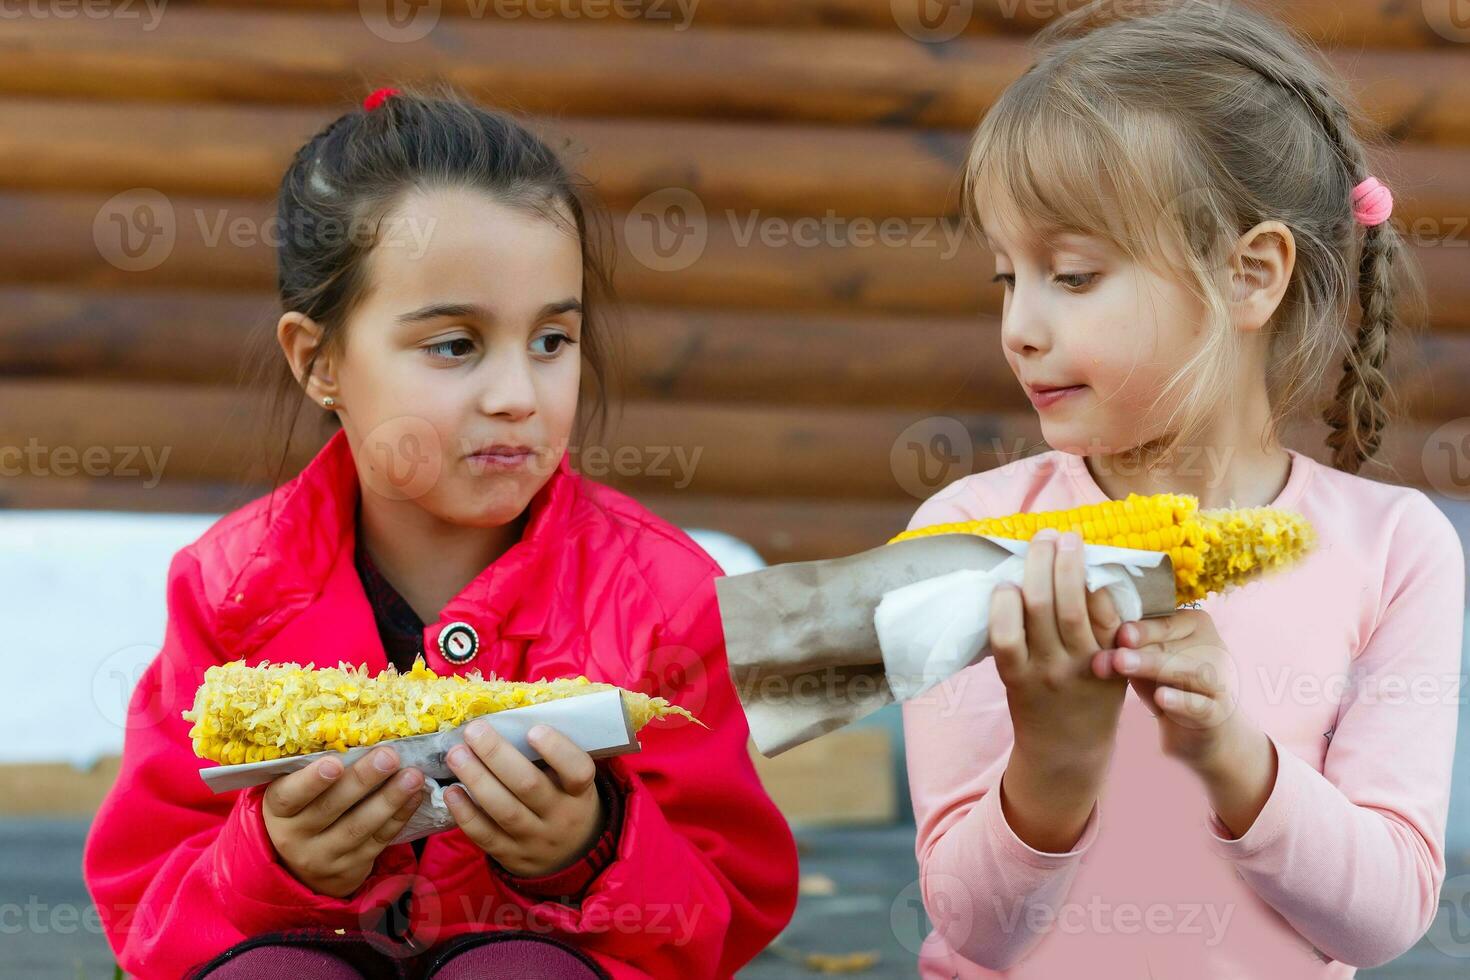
<point>705,873</point>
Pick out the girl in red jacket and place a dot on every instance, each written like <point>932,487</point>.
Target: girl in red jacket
<point>441,285</point>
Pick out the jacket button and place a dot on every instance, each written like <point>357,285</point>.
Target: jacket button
<point>458,643</point>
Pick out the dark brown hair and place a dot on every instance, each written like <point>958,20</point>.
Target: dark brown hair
<point>345,183</point>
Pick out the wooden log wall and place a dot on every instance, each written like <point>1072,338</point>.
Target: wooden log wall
<point>799,374</point>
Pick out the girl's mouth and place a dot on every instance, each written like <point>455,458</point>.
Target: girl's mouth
<point>501,458</point>
<point>1047,397</point>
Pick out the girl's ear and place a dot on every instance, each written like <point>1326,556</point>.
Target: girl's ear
<point>300,337</point>
<point>1260,271</point>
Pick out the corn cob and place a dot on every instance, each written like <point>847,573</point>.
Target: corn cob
<point>1211,550</point>
<point>250,714</point>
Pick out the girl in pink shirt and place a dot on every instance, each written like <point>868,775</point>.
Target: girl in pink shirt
<point>1181,215</point>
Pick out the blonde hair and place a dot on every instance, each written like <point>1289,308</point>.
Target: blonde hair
<point>1169,128</point>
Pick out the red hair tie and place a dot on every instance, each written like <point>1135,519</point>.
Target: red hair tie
<point>377,98</point>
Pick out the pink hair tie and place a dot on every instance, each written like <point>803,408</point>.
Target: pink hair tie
<point>377,98</point>
<point>1372,202</point>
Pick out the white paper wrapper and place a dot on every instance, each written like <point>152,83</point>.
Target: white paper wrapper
<point>936,627</point>
<point>597,723</point>
<point>803,638</point>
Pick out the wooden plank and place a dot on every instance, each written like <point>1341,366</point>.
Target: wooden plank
<point>81,492</point>
<point>55,788</point>
<point>786,529</point>
<point>806,784</point>
<point>210,433</point>
<point>780,528</point>
<point>199,336</point>
<point>1352,23</point>
<point>936,364</point>
<point>214,434</point>
<point>242,151</point>
<point>564,68</point>
<point>845,778</point>
<point>754,261</point>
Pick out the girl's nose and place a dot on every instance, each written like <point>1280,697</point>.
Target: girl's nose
<point>510,390</point>
<point>1023,329</point>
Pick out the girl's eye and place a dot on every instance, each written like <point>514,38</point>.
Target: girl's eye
<point>553,341</point>
<point>1075,281</point>
<point>445,346</point>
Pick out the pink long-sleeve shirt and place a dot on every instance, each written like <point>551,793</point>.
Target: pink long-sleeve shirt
<point>1350,662</point>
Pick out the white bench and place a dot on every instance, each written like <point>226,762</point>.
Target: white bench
<point>84,612</point>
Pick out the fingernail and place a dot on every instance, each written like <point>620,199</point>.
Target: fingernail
<point>1068,541</point>
<point>537,733</point>
<point>1045,534</point>
<point>409,778</point>
<point>458,755</point>
<point>476,729</point>
<point>1127,660</point>
<point>384,762</point>
<point>329,769</point>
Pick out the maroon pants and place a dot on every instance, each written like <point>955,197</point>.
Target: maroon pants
<point>489,956</point>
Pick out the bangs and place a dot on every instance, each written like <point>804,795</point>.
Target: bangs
<point>1044,162</point>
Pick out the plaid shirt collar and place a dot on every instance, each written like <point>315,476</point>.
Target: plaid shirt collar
<point>401,629</point>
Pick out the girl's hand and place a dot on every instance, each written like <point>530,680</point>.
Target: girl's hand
<point>329,825</point>
<point>1043,637</point>
<point>531,822</point>
<point>1180,668</point>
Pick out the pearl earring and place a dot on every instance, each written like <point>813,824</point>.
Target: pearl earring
<point>329,402</point>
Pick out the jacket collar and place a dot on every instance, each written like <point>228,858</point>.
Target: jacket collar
<point>309,526</point>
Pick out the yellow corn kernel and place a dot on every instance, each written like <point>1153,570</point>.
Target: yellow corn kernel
<point>1211,550</point>
<point>248,714</point>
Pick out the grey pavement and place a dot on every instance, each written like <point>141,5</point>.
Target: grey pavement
<point>49,931</point>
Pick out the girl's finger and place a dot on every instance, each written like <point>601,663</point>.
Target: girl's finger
<point>1174,668</point>
<point>574,768</point>
<point>359,781</point>
<point>1038,597</point>
<point>1188,708</point>
<point>1007,630</point>
<point>516,773</point>
<point>288,795</point>
<point>356,827</point>
<point>1105,619</point>
<point>1102,665</point>
<point>475,822</point>
<point>389,829</point>
<point>1158,629</point>
<point>489,793</point>
<point>1069,588</point>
